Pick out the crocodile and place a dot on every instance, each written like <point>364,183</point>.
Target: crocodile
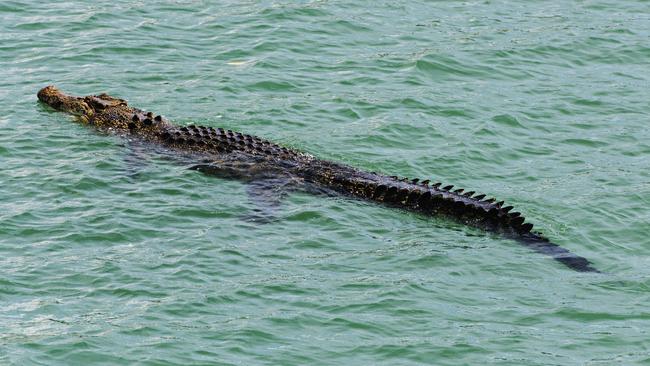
<point>241,156</point>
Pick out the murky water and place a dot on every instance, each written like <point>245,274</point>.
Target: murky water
<point>115,256</point>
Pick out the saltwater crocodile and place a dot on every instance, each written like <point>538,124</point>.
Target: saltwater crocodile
<point>246,157</point>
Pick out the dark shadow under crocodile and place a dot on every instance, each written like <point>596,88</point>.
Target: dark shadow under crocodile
<point>235,155</point>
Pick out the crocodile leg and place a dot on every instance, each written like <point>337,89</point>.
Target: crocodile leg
<point>135,159</point>
<point>228,168</point>
<point>266,196</point>
<point>266,187</point>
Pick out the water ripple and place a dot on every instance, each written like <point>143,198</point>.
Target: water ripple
<point>115,259</point>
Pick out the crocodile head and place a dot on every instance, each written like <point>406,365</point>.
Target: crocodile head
<point>77,106</point>
<point>102,111</point>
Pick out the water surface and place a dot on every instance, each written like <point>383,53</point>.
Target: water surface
<point>115,256</point>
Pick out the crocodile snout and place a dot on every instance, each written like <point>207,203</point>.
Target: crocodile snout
<point>53,97</point>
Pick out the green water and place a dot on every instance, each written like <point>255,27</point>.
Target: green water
<point>110,259</point>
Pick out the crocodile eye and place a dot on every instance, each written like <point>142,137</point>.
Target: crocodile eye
<point>147,122</point>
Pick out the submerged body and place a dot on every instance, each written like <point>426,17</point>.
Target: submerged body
<point>245,157</point>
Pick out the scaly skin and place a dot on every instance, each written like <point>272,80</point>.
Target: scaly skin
<point>248,157</point>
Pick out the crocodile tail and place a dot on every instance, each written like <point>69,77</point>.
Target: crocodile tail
<point>417,195</point>
<point>468,207</point>
<point>542,245</point>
